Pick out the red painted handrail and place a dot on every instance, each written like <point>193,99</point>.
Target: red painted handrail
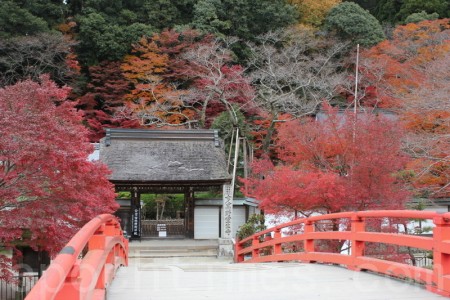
<point>437,279</point>
<point>72,277</point>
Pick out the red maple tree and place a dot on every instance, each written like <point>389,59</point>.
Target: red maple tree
<point>104,96</point>
<point>332,165</point>
<point>48,188</point>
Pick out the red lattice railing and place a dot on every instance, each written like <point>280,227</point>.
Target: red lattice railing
<point>270,245</point>
<point>71,276</point>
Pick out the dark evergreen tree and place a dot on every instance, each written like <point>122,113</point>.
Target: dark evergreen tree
<point>52,11</point>
<point>421,16</point>
<point>107,29</point>
<point>100,40</point>
<point>350,21</point>
<point>396,11</point>
<point>17,21</point>
<point>441,7</point>
<point>243,18</point>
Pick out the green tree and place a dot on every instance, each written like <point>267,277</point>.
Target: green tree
<point>166,13</point>
<point>254,224</point>
<point>207,14</point>
<point>100,40</point>
<point>394,11</point>
<point>108,28</point>
<point>225,124</point>
<point>366,4</point>
<point>16,21</point>
<point>75,6</point>
<point>243,18</point>
<point>107,7</point>
<point>409,7</point>
<point>159,14</point>
<point>386,10</point>
<point>421,16</point>
<point>52,11</point>
<point>351,21</point>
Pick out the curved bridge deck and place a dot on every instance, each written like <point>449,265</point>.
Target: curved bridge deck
<point>210,278</point>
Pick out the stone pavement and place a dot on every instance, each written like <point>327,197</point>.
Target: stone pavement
<point>152,278</point>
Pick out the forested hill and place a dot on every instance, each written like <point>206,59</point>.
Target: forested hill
<point>241,63</point>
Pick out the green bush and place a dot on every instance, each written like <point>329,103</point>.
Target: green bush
<point>255,223</point>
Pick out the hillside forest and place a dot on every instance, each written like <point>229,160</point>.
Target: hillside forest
<point>345,103</point>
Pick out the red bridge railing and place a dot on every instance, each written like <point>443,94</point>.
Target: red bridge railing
<point>270,245</point>
<point>72,275</point>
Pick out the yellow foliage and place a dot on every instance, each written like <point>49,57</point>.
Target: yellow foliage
<point>313,12</point>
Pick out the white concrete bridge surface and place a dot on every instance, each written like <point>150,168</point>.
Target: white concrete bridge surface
<point>155,274</point>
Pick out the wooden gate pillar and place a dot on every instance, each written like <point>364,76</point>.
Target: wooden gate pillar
<point>189,213</point>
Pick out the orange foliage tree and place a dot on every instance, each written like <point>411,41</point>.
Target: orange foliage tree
<point>410,73</point>
<point>153,101</point>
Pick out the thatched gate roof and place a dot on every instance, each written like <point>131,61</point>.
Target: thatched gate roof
<point>166,157</point>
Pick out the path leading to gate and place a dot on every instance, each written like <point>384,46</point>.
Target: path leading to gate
<point>200,275</point>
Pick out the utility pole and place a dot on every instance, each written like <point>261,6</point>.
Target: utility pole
<point>355,102</point>
<point>356,79</point>
<point>236,156</point>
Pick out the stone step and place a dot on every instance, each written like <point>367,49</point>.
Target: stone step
<point>173,248</point>
<point>152,254</point>
<point>173,252</point>
<point>144,254</point>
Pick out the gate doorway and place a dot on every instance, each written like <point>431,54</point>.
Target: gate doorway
<point>163,215</point>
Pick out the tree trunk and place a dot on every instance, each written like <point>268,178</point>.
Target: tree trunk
<point>269,135</point>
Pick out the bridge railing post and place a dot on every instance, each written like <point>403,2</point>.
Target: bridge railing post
<point>238,257</point>
<point>267,250</point>
<point>441,256</point>
<point>98,242</point>
<point>112,229</point>
<point>358,225</point>
<point>255,244</point>
<point>309,243</point>
<point>71,286</point>
<point>124,251</point>
<point>277,247</point>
